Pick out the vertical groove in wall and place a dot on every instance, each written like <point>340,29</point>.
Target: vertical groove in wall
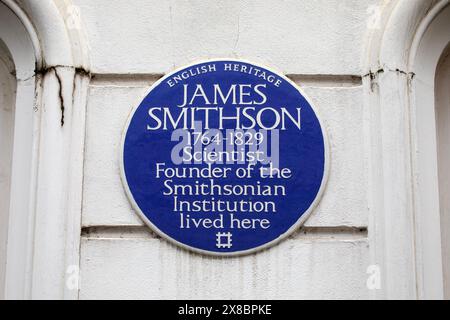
<point>303,233</point>
<point>143,79</point>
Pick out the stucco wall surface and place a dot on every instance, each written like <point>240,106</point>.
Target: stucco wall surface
<point>320,45</point>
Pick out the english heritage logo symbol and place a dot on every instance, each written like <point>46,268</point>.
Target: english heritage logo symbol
<point>224,157</point>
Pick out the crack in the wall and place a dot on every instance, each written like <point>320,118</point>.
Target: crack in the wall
<point>61,96</point>
<point>77,71</point>
<point>82,71</point>
<point>373,75</point>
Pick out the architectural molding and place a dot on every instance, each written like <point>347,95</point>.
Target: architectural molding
<point>56,122</point>
<point>388,83</point>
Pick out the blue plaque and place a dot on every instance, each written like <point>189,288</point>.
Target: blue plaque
<point>224,157</point>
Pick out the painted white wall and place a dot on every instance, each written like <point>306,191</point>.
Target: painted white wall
<point>443,142</point>
<point>431,41</point>
<point>52,73</point>
<point>366,217</point>
<point>300,268</point>
<point>297,37</point>
<point>7,106</point>
<point>318,43</point>
<point>17,43</point>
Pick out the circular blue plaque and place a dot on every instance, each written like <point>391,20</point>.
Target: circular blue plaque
<point>224,157</point>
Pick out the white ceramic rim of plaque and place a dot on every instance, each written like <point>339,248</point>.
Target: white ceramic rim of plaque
<point>267,245</point>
